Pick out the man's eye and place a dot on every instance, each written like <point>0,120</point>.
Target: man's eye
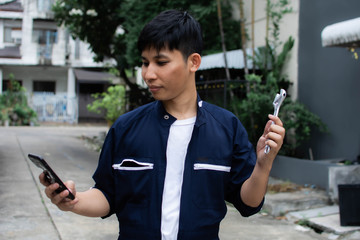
<point>145,64</point>
<point>162,63</point>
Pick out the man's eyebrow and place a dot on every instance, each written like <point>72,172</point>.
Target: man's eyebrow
<point>158,56</point>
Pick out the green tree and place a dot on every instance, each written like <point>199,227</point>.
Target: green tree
<point>111,27</point>
<point>112,102</point>
<point>269,60</point>
<point>100,24</point>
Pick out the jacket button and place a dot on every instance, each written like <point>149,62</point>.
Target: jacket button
<point>166,117</point>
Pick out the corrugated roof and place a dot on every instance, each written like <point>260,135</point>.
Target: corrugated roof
<point>235,59</point>
<point>342,34</point>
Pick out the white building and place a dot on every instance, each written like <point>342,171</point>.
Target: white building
<point>289,26</point>
<point>45,59</point>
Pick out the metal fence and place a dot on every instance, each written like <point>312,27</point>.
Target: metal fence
<point>52,107</point>
<point>220,92</point>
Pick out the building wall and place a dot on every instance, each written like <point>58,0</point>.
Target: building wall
<point>50,61</point>
<point>289,26</point>
<point>329,79</point>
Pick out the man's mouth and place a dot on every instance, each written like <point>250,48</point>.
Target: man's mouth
<point>154,88</point>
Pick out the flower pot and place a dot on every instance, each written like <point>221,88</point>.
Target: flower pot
<point>349,204</point>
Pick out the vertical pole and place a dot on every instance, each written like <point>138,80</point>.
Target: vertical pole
<point>70,109</point>
<point>1,80</point>
<point>253,32</point>
<point>222,38</point>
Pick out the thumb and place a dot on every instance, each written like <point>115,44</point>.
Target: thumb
<point>71,186</point>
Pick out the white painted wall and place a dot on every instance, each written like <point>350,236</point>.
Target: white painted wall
<point>289,27</point>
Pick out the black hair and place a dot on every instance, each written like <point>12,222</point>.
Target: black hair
<point>172,29</point>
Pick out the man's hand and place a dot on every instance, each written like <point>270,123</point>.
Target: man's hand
<point>254,188</point>
<point>273,136</point>
<point>91,203</point>
<point>59,199</point>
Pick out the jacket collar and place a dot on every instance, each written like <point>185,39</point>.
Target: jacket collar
<point>167,119</point>
<point>200,117</point>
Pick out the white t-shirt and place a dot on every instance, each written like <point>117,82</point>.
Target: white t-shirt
<point>178,141</point>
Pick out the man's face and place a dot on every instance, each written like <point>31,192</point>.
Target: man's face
<point>167,74</point>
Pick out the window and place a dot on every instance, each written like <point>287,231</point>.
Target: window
<point>43,36</point>
<point>44,86</point>
<point>6,83</point>
<point>44,5</point>
<point>12,35</point>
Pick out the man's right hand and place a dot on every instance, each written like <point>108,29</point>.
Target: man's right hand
<point>59,199</point>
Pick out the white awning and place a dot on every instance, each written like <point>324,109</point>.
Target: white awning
<point>235,59</point>
<point>342,34</point>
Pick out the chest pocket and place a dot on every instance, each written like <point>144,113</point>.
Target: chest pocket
<point>209,182</point>
<point>133,179</point>
<point>133,165</point>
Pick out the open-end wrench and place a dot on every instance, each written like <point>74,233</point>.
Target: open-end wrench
<point>278,100</point>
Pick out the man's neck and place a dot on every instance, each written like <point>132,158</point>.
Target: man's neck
<point>182,108</point>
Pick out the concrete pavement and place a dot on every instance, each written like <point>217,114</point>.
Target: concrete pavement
<point>26,213</point>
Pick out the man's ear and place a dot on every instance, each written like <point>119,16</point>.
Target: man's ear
<point>194,60</point>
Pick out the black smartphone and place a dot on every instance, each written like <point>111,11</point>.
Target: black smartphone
<point>50,175</point>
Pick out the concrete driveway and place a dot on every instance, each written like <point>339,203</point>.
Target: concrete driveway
<point>26,213</point>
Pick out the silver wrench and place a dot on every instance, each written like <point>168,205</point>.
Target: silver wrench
<point>278,100</point>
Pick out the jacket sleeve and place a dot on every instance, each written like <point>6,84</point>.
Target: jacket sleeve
<point>243,162</point>
<point>104,176</point>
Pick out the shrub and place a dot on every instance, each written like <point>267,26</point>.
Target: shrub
<point>14,106</point>
<point>112,102</point>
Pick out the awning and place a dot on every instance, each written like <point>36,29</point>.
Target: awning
<point>10,52</point>
<point>85,76</point>
<point>342,34</point>
<point>10,5</point>
<point>235,59</point>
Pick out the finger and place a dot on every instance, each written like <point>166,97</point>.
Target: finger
<point>50,190</point>
<point>276,120</point>
<point>43,180</point>
<point>272,144</point>
<point>277,129</point>
<point>66,204</point>
<point>70,185</point>
<point>267,127</point>
<point>277,138</point>
<point>60,197</point>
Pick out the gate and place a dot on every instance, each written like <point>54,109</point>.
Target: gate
<point>55,107</point>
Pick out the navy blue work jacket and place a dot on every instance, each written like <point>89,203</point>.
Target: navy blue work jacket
<point>132,165</point>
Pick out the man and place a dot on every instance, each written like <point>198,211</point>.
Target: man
<point>167,168</point>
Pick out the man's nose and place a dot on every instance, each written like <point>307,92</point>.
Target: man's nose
<point>149,73</point>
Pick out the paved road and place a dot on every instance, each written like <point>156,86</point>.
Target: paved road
<point>25,213</point>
